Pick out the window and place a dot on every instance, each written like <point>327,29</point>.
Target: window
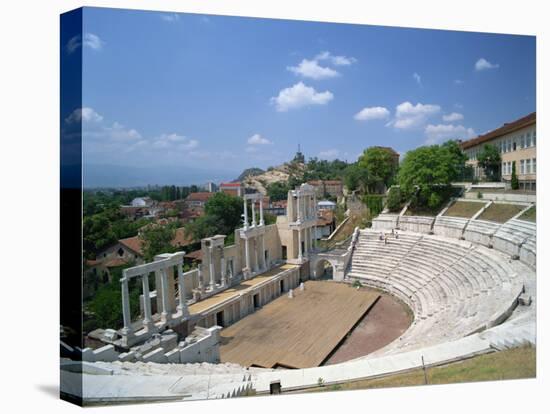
<point>527,166</point>
<point>514,145</point>
<point>509,145</point>
<point>527,140</point>
<point>534,140</point>
<point>522,141</point>
<point>534,166</point>
<point>522,167</point>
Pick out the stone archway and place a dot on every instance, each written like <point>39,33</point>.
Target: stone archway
<point>323,268</point>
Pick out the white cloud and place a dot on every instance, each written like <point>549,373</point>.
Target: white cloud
<point>417,78</point>
<point>85,114</point>
<point>483,64</point>
<point>119,132</point>
<point>312,69</point>
<point>171,18</point>
<point>453,116</point>
<point>329,154</point>
<point>257,139</point>
<point>375,112</point>
<point>174,141</point>
<point>409,116</point>
<point>90,40</point>
<point>436,134</point>
<point>458,81</point>
<point>298,96</point>
<point>336,60</point>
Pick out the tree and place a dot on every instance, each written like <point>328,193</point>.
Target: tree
<point>356,177</point>
<point>278,191</point>
<point>426,174</point>
<point>489,159</point>
<point>156,240</point>
<point>380,166</point>
<point>222,216</point>
<point>515,182</point>
<point>394,199</point>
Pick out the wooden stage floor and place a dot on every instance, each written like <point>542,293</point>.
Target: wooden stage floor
<point>297,333</point>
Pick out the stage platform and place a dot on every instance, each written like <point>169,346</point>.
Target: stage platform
<point>300,332</point>
<point>236,291</point>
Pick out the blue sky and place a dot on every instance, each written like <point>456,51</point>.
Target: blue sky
<point>181,98</point>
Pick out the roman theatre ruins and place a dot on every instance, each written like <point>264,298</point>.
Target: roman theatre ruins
<point>273,312</point>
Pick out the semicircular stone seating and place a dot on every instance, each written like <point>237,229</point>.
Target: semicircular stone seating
<point>454,288</point>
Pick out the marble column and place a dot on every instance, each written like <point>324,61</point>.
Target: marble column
<point>253,202</point>
<point>247,253</point>
<point>164,291</point>
<point>261,212</point>
<point>126,316</point>
<point>223,272</point>
<point>211,268</point>
<point>182,305</point>
<point>201,283</point>
<point>147,318</point>
<point>245,214</point>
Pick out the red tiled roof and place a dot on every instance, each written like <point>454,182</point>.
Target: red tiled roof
<point>201,196</point>
<point>133,243</point>
<point>503,130</point>
<point>118,261</point>
<point>230,185</point>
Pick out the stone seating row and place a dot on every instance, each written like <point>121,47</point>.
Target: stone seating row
<point>453,288</point>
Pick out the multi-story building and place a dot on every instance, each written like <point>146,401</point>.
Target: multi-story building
<point>234,189</point>
<point>333,188</point>
<point>517,142</point>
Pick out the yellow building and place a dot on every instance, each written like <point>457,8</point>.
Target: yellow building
<point>516,141</point>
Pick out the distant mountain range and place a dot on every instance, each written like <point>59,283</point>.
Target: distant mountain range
<point>106,175</point>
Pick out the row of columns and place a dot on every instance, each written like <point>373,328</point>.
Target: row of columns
<point>253,204</point>
<point>309,241</point>
<point>164,291</point>
<point>262,263</point>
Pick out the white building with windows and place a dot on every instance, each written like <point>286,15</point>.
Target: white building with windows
<point>517,142</point>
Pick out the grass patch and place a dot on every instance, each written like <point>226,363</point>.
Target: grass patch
<point>465,209</point>
<point>501,212</point>
<point>509,364</point>
<point>421,212</point>
<point>530,215</point>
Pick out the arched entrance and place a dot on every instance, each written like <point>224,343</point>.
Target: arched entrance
<point>323,269</point>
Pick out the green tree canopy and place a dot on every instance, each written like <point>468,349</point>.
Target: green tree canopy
<point>222,216</point>
<point>489,159</point>
<point>380,166</point>
<point>356,177</point>
<point>156,240</point>
<point>278,191</point>
<point>430,170</point>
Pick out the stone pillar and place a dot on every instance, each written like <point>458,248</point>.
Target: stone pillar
<point>126,316</point>
<point>182,305</point>
<point>263,252</point>
<point>201,284</point>
<point>300,255</point>
<point>253,202</point>
<point>223,272</point>
<point>261,212</point>
<point>247,254</point>
<point>299,207</point>
<point>245,214</point>
<point>315,236</point>
<point>147,318</point>
<point>165,316</point>
<point>211,268</point>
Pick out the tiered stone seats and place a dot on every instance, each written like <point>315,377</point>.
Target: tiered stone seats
<point>528,252</point>
<point>454,288</point>
<point>385,222</point>
<point>512,234</point>
<point>417,224</point>
<point>481,232</point>
<point>451,227</point>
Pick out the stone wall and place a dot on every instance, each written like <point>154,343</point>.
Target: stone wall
<point>451,227</point>
<point>417,224</point>
<point>385,222</point>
